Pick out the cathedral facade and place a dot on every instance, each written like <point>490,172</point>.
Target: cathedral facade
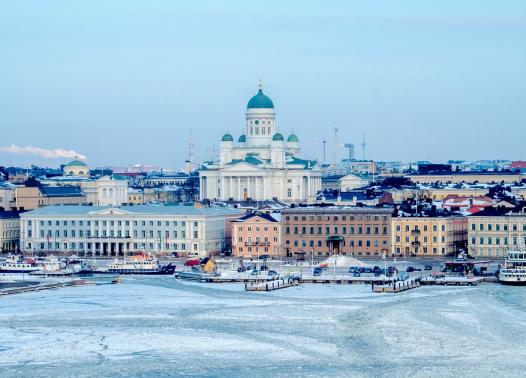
<point>262,164</point>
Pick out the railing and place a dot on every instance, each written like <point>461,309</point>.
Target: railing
<point>256,244</point>
<point>415,232</point>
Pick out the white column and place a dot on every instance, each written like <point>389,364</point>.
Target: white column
<point>239,195</point>
<point>222,196</point>
<point>256,186</point>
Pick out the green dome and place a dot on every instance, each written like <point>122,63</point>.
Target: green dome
<point>277,137</point>
<point>76,163</point>
<point>227,138</point>
<point>293,138</point>
<point>260,101</point>
<point>242,138</point>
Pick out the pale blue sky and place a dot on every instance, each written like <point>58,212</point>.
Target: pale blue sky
<point>125,81</point>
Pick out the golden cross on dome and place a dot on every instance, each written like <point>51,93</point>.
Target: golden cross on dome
<point>260,84</point>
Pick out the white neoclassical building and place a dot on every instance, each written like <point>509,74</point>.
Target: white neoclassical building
<point>262,165</point>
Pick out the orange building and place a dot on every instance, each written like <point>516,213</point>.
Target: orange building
<point>256,234</point>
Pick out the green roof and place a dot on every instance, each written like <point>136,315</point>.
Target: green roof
<point>293,138</point>
<point>248,159</point>
<point>277,137</point>
<point>242,138</point>
<point>260,101</point>
<point>227,138</point>
<point>76,163</point>
<point>307,164</point>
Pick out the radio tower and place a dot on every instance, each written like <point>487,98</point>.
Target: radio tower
<point>335,146</point>
<point>363,147</point>
<point>324,141</point>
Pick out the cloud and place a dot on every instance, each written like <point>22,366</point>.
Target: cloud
<point>43,152</point>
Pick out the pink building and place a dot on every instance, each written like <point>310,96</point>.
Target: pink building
<point>256,234</point>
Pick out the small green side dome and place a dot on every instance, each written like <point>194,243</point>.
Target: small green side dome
<point>293,138</point>
<point>260,101</point>
<point>278,137</point>
<point>227,138</point>
<point>242,138</point>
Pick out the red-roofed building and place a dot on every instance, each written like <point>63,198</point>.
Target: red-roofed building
<point>472,204</point>
<point>519,164</point>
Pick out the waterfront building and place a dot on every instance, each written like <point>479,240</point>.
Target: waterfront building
<point>262,164</point>
<point>429,235</point>
<point>347,230</point>
<point>257,234</point>
<point>76,168</point>
<point>9,231</point>
<point>494,231</point>
<point>32,197</point>
<point>496,177</point>
<point>115,231</point>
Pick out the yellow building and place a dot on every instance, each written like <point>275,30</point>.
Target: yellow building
<point>428,236</point>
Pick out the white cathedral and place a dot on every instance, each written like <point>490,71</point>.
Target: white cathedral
<point>261,165</point>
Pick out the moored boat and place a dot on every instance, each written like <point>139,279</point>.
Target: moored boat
<point>513,271</point>
<point>139,265</point>
<point>17,264</point>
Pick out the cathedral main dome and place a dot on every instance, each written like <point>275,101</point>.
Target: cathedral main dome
<point>260,101</point>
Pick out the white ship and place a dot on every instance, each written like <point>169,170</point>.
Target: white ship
<point>139,265</point>
<point>513,272</point>
<point>17,264</point>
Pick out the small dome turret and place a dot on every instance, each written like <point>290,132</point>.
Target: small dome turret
<point>242,138</point>
<point>278,138</point>
<point>227,138</point>
<point>293,138</point>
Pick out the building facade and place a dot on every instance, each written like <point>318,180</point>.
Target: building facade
<point>32,197</point>
<point>254,235</point>
<point>358,231</point>
<point>117,231</point>
<point>262,165</point>
<point>429,235</point>
<point>493,232</point>
<point>76,168</point>
<point>9,231</point>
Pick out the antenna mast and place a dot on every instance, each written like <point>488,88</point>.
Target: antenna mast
<point>363,147</point>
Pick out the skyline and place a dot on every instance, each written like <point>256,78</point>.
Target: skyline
<point>124,84</point>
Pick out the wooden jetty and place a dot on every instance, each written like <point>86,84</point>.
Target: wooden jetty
<point>271,285</point>
<point>39,287</point>
<point>396,286</point>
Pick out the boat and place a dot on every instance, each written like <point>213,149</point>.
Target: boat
<point>513,271</point>
<point>195,274</point>
<point>52,266</point>
<point>116,280</point>
<point>17,264</point>
<point>139,265</point>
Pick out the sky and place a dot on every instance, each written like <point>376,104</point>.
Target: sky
<point>128,81</point>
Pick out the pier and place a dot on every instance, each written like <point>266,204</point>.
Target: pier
<point>271,285</point>
<point>41,286</point>
<point>396,287</point>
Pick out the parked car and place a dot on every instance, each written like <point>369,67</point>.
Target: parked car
<point>255,272</point>
<point>317,271</point>
<point>428,267</point>
<point>356,274</point>
<point>175,254</point>
<point>410,269</point>
<point>379,273</point>
<point>264,257</point>
<point>192,262</point>
<point>241,269</point>
<point>272,273</point>
<point>377,269</point>
<point>353,269</point>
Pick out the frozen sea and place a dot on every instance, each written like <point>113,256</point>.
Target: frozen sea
<point>156,327</point>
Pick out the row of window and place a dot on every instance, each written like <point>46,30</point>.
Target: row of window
<point>99,246</point>
<point>425,239</point>
<point>335,218</point>
<point>111,223</point>
<point>111,234</point>
<point>257,228</point>
<point>358,230</point>
<point>424,251</point>
<point>257,239</point>
<point>352,243</point>
<point>490,240</point>
<point>425,228</point>
<point>489,227</point>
